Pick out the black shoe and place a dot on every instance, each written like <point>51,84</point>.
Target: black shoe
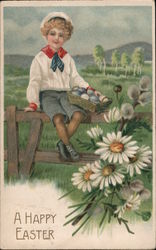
<point>72,153</point>
<point>62,150</point>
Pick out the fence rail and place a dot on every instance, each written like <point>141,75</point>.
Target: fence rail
<point>32,154</point>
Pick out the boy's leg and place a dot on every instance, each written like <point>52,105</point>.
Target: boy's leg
<point>66,149</point>
<point>61,128</point>
<point>74,123</point>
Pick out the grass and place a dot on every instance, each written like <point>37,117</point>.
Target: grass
<point>15,94</point>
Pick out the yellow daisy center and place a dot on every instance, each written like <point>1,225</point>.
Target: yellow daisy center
<point>87,175</point>
<point>107,170</point>
<point>133,159</point>
<point>116,147</point>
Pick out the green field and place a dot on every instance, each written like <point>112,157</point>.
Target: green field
<point>15,85</point>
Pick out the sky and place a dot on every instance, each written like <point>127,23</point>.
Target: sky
<point>109,26</point>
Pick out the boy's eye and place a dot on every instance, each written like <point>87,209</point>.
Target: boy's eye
<point>52,33</point>
<point>60,35</point>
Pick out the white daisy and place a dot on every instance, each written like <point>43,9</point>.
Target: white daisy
<point>127,111</point>
<point>105,174</point>
<point>113,115</point>
<point>95,132</point>
<point>82,178</point>
<point>131,204</point>
<point>139,161</point>
<point>116,148</point>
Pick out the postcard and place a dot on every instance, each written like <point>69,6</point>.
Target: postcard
<point>77,125</point>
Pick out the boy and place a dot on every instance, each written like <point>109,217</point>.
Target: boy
<point>52,74</point>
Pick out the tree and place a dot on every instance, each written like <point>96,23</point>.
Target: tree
<point>138,60</point>
<point>125,62</point>
<point>115,59</point>
<point>98,55</point>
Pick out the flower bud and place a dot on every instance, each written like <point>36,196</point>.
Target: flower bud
<point>145,194</point>
<point>127,111</point>
<point>133,92</point>
<point>145,98</point>
<point>144,83</point>
<point>137,185</point>
<point>117,88</point>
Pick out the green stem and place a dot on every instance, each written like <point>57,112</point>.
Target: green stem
<point>73,211</point>
<point>103,217</point>
<point>122,123</point>
<point>135,104</point>
<point>118,196</point>
<point>70,220</point>
<point>109,205</point>
<point>67,194</point>
<point>112,196</point>
<point>81,215</point>
<point>90,204</point>
<point>77,205</point>
<point>81,225</point>
<point>117,97</point>
<point>125,223</point>
<point>90,195</point>
<point>138,213</point>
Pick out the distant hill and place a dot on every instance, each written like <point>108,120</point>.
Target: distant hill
<point>82,61</point>
<point>129,48</point>
<point>21,61</point>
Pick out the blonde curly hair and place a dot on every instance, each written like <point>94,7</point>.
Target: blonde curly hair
<point>59,23</point>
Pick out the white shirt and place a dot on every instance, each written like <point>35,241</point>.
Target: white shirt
<point>42,77</point>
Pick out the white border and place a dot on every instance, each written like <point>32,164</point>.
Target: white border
<point>154,119</point>
<point>78,3</point>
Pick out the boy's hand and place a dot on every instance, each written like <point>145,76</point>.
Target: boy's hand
<point>27,109</point>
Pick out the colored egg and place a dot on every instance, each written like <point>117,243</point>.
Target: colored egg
<point>90,92</point>
<point>82,90</point>
<point>94,98</point>
<point>103,99</point>
<point>76,92</point>
<point>85,96</point>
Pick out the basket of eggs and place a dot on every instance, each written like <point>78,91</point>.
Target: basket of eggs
<point>87,100</point>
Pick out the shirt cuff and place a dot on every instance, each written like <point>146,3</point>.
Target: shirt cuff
<point>33,106</point>
<point>90,88</point>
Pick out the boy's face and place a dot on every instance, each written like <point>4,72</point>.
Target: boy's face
<point>55,38</point>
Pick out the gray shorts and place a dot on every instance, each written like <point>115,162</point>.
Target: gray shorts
<point>56,102</point>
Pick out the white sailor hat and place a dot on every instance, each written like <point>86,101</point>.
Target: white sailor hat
<point>54,15</point>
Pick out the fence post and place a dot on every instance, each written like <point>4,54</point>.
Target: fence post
<point>33,141</point>
<point>12,141</point>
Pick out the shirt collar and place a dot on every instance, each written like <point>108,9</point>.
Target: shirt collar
<point>50,53</point>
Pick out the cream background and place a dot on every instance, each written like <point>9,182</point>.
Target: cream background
<point>43,197</point>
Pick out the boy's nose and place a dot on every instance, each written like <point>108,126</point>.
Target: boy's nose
<point>56,37</point>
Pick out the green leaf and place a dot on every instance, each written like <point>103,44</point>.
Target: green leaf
<point>135,124</point>
<point>146,216</point>
<point>81,225</point>
<point>103,218</point>
<point>87,145</point>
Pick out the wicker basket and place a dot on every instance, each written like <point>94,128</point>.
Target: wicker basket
<point>86,104</point>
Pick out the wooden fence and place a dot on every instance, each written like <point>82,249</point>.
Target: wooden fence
<point>26,158</point>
